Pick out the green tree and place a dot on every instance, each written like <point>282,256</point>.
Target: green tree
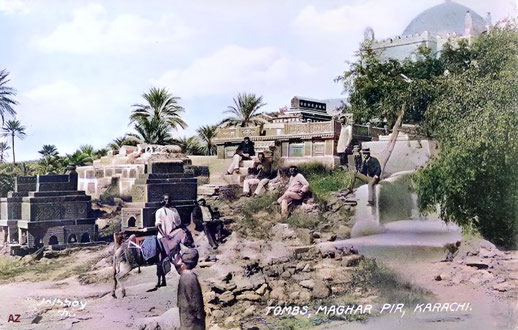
<point>13,128</point>
<point>379,90</point>
<point>155,119</point>
<point>48,150</point>
<point>4,146</point>
<point>245,109</point>
<point>206,133</point>
<point>76,159</point>
<point>126,140</point>
<point>7,95</point>
<point>189,145</point>
<point>474,179</point>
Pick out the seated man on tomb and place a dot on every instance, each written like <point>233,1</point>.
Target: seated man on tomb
<point>263,168</point>
<point>298,187</point>
<point>369,173</point>
<point>207,220</point>
<point>244,151</point>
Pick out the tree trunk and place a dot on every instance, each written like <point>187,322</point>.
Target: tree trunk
<point>12,143</point>
<point>393,139</point>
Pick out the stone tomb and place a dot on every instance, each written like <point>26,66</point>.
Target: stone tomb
<point>55,213</point>
<point>174,178</point>
<point>11,207</point>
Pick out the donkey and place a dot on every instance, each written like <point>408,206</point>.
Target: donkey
<point>129,255</point>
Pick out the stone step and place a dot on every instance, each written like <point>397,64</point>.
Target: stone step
<point>233,178</point>
<point>208,189</point>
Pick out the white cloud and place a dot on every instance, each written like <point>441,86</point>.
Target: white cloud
<point>91,31</point>
<point>350,20</point>
<point>234,69</point>
<point>14,7</point>
<point>58,91</point>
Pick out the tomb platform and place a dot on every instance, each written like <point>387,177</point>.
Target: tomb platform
<point>48,211</point>
<point>173,178</point>
<point>117,172</point>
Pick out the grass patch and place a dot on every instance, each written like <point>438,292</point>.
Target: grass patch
<point>303,220</point>
<point>323,181</point>
<point>11,268</point>
<point>390,288</point>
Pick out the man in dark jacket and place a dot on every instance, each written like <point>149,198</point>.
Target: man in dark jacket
<point>263,169</point>
<point>245,151</point>
<point>369,173</point>
<point>204,219</point>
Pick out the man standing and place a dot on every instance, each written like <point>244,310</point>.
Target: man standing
<point>170,234</point>
<point>203,218</point>
<point>245,151</point>
<point>369,173</point>
<point>344,140</point>
<point>189,297</point>
<point>263,169</point>
<point>167,218</point>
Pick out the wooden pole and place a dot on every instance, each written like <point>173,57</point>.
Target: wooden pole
<point>393,139</point>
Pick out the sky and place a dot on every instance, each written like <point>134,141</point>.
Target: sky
<point>78,66</point>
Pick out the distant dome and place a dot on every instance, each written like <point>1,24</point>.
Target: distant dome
<point>448,17</point>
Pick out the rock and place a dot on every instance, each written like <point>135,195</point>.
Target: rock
<point>308,284</point>
<point>476,262</point>
<point>294,295</point>
<point>278,294</point>
<point>502,287</point>
<point>249,295</point>
<point>316,234</point>
<point>226,298</point>
<point>50,254</point>
<point>262,289</point>
<point>209,296</point>
<point>300,266</point>
<point>218,313</point>
<point>320,290</point>
<point>306,268</point>
<point>443,277</point>
<point>286,274</point>
<point>230,320</point>
<point>249,311</point>
<point>343,232</point>
<point>352,260</point>
<point>338,289</point>
<point>305,296</point>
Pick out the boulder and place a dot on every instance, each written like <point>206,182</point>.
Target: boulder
<point>262,289</point>
<point>352,260</point>
<point>249,295</point>
<point>308,284</point>
<point>476,262</point>
<point>278,294</point>
<point>320,290</point>
<point>226,298</point>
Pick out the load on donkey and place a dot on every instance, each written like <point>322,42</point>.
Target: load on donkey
<point>159,250</point>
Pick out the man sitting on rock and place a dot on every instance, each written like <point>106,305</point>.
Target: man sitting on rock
<point>244,151</point>
<point>369,173</point>
<point>298,187</point>
<point>189,296</point>
<point>204,219</point>
<point>263,169</point>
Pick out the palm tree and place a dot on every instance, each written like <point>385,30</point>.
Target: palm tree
<point>76,159</point>
<point>49,150</point>
<point>14,128</point>
<point>154,131</point>
<point>206,134</point>
<point>245,108</point>
<point>160,112</point>
<point>127,140</point>
<point>189,145</point>
<point>4,146</point>
<point>6,96</point>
